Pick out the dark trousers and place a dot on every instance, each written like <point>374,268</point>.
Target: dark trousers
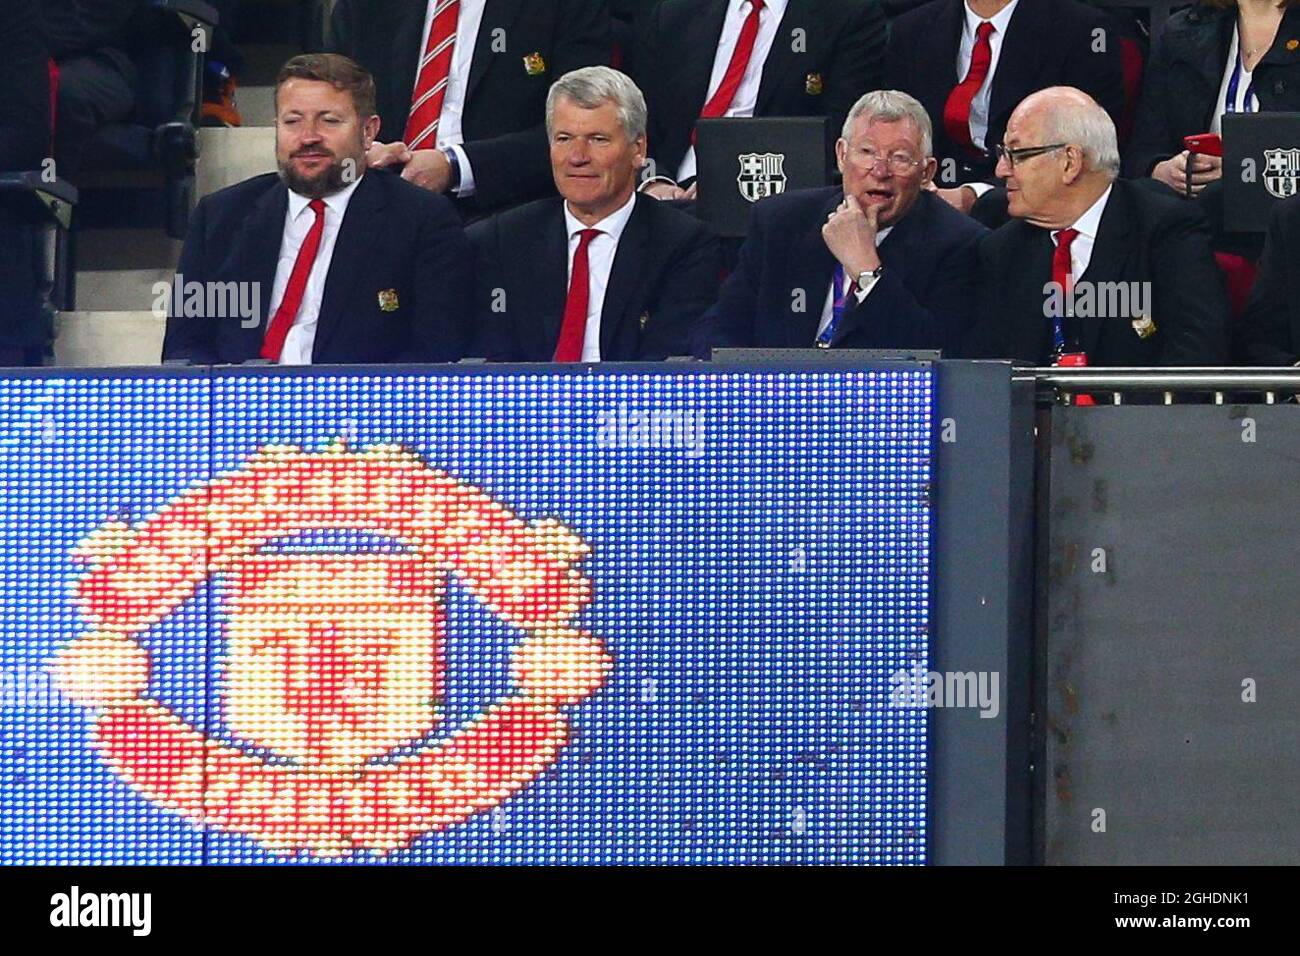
<point>95,90</point>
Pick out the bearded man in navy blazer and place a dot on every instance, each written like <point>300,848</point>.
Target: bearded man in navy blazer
<point>600,273</point>
<point>344,266</point>
<point>881,263</point>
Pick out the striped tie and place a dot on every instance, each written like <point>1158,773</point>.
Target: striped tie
<point>431,85</point>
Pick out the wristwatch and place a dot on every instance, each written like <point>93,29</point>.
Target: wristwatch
<point>866,280</point>
<point>454,162</point>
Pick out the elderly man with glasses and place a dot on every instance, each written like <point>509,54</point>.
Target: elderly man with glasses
<point>1091,269</point>
<point>880,263</point>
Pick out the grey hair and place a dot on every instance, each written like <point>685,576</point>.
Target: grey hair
<point>1083,123</point>
<point>889,106</point>
<point>593,86</point>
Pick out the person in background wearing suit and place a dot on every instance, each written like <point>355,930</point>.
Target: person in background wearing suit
<point>881,263</point>
<point>344,265</point>
<point>749,58</point>
<point>24,144</point>
<point>971,61</point>
<point>89,42</point>
<point>1090,265</point>
<point>602,274</point>
<point>461,85</point>
<point>1269,331</point>
<point>1222,56</point>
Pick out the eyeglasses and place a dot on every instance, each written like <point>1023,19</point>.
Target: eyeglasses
<point>899,163</point>
<point>1013,156</point>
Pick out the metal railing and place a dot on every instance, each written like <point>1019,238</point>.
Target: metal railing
<point>1063,385</point>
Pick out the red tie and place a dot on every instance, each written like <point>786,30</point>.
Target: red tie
<point>574,329</point>
<point>1063,350</point>
<point>282,321</point>
<point>1061,267</point>
<point>435,70</point>
<point>744,52</point>
<point>956,112</point>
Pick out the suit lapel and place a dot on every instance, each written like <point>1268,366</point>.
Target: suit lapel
<point>1111,253</point>
<point>551,275</point>
<point>699,47</point>
<point>812,267</point>
<point>497,15</point>
<point>407,53</point>
<point>357,240</point>
<point>782,57</point>
<point>1022,50</point>
<point>259,243</point>
<point>634,251</point>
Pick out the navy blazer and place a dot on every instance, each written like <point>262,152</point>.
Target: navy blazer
<point>522,47</point>
<point>1148,242</point>
<point>664,276</point>
<point>924,299</point>
<point>827,53</point>
<point>395,238</point>
<point>1048,43</point>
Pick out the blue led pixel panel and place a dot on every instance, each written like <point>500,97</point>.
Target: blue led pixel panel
<point>485,617</point>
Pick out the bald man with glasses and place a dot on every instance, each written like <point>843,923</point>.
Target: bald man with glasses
<point>1092,270</point>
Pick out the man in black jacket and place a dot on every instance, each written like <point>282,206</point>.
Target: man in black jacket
<point>463,118</point>
<point>1090,265</point>
<point>325,263</point>
<point>783,57</point>
<point>881,263</point>
<point>602,274</point>
<point>971,61</point>
<point>1270,326</point>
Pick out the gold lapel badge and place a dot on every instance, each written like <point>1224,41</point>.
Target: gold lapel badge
<point>813,84</point>
<point>534,64</point>
<point>1145,327</point>
<point>388,300</point>
<point>1292,44</point>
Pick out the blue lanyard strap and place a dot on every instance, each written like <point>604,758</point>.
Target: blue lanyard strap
<point>839,305</point>
<point>1230,100</point>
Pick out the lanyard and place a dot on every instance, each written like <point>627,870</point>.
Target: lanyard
<point>1230,100</point>
<point>839,305</point>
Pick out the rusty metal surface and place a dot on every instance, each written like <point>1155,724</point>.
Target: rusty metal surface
<point>1145,658</point>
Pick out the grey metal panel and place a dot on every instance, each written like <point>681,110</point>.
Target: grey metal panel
<point>980,801</point>
<point>1146,659</point>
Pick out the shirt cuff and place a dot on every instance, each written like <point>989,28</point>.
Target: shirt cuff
<point>655,179</point>
<point>979,189</point>
<point>466,187</point>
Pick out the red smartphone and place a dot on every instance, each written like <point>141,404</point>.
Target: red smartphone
<point>1207,144</point>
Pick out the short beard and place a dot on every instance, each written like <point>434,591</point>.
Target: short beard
<point>325,183</point>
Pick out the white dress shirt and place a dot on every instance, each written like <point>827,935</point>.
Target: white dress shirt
<point>1087,226</point>
<point>1245,100</point>
<point>600,262</point>
<point>451,122</point>
<point>828,310</point>
<point>298,220</point>
<point>979,107</point>
<point>746,98</point>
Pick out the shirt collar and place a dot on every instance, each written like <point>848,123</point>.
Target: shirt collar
<point>999,19</point>
<point>612,225</point>
<point>1088,224</point>
<point>776,6</point>
<point>338,202</point>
